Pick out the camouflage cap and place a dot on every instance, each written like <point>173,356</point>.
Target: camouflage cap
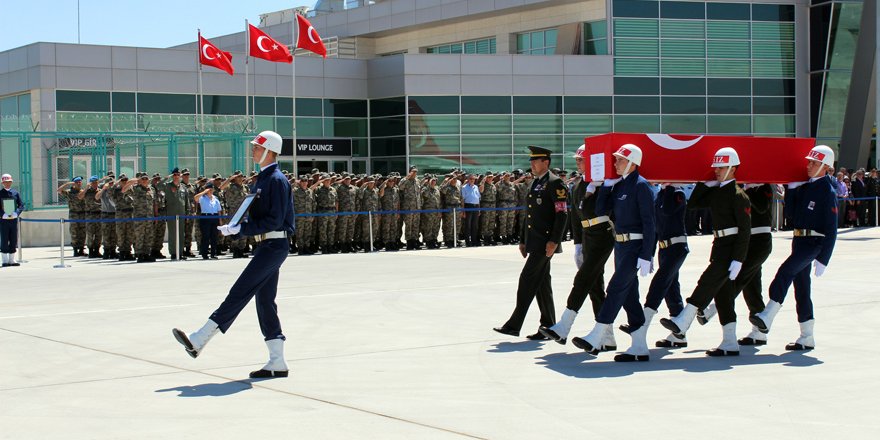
<point>123,177</point>
<point>156,176</point>
<point>185,171</point>
<point>239,173</point>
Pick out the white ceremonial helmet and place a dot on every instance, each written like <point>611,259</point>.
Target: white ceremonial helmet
<point>822,153</point>
<point>6,178</point>
<point>725,157</point>
<point>631,153</point>
<point>581,152</point>
<point>269,140</point>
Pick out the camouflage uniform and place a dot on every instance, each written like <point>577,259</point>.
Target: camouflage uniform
<point>369,202</point>
<point>488,195</point>
<point>304,203</point>
<point>522,191</point>
<point>451,197</point>
<point>93,229</point>
<point>189,224</point>
<point>124,229</point>
<point>410,200</point>
<point>76,211</point>
<point>430,222</point>
<point>158,237</point>
<point>359,219</point>
<point>325,198</point>
<point>506,199</point>
<point>345,195</point>
<point>234,195</point>
<point>108,227</point>
<point>143,203</point>
<point>389,200</point>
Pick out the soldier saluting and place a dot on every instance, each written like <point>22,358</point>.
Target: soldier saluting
<point>542,230</point>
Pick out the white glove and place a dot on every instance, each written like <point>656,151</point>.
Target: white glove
<point>645,267</point>
<point>229,230</point>
<point>735,267</point>
<point>7,216</point>
<point>711,183</point>
<point>751,185</point>
<point>13,215</point>
<point>794,185</point>
<point>820,268</point>
<point>578,255</point>
<point>611,182</point>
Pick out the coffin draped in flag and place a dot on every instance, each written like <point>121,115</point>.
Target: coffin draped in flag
<point>688,158</point>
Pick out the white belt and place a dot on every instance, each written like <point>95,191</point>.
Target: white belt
<point>674,240</point>
<point>725,232</point>
<point>761,230</point>
<point>622,238</point>
<point>594,221</point>
<point>270,235</point>
<point>807,233</point>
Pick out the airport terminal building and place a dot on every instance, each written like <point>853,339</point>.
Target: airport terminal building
<point>447,83</point>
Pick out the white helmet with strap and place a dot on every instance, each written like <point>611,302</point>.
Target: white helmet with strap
<point>581,152</point>
<point>6,178</point>
<point>822,153</point>
<point>631,153</point>
<point>269,140</point>
<point>725,157</point>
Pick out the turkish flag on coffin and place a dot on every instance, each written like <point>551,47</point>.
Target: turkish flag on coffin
<point>308,38</point>
<point>209,55</point>
<point>689,158</point>
<point>265,47</point>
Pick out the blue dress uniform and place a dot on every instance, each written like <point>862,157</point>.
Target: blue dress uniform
<point>812,210</point>
<point>670,208</point>
<point>9,227</point>
<point>270,212</point>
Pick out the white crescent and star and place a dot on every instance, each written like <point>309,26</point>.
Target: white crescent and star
<point>310,33</point>
<point>205,52</point>
<point>260,44</point>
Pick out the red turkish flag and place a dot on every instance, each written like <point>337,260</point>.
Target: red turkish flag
<point>265,47</point>
<point>209,55</point>
<point>308,37</point>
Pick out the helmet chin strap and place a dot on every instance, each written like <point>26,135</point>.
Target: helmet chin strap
<point>629,167</point>
<point>726,173</point>
<point>818,172</point>
<point>265,153</point>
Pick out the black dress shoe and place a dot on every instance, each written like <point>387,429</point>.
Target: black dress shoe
<point>671,326</point>
<point>751,341</point>
<point>584,345</point>
<point>759,323</point>
<point>184,340</point>
<point>624,328</point>
<point>550,334</point>
<point>794,346</point>
<point>717,352</point>
<point>666,343</point>
<point>265,374</point>
<point>626,357</point>
<point>537,337</point>
<point>506,331</point>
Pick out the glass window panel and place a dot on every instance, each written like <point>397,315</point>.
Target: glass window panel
<point>692,124</point>
<point>596,47</point>
<point>482,105</point>
<point>470,47</point>
<point>637,123</point>
<point>843,41</point>
<point>682,29</point>
<point>435,164</point>
<point>773,69</point>
<point>309,107</point>
<point>683,48</point>
<point>774,105</point>
<point>283,124</point>
<point>360,147</point>
<point>345,108</point>
<point>284,107</point>
<point>391,146</point>
<point>224,105</point>
<point>687,105</point>
<point>537,104</point>
<point>728,87</point>
<point>727,11</point>
<point>441,105</point>
<point>429,124</point>
<point>537,124</point>
<point>636,86</point>
<point>338,127</point>
<point>166,103</point>
<point>694,10</point>
<point>443,49</point>
<point>730,124</point>
<point>587,124</point>
<point>549,141</point>
<point>486,145</point>
<point>684,86</point>
<point>587,104</point>
<point>78,101</point>
<point>486,124</point>
<point>773,87</point>
<point>431,145</point>
<point>522,42</point>
<point>636,28</point>
<point>774,124</point>
<point>222,123</point>
<point>388,126</point>
<point>387,107</point>
<point>171,122</point>
<point>432,50</point>
<point>537,39</point>
<point>123,102</point>
<point>729,68</point>
<point>730,105</point>
<point>595,29</point>
<point>765,12</point>
<point>636,104</point>
<point>773,31</point>
<point>387,165</point>
<point>773,50</point>
<point>262,123</point>
<point>80,121</point>
<point>550,38</point>
<point>636,67</point>
<point>728,49</point>
<point>683,67</point>
<point>479,164</point>
<point>636,8</point>
<point>124,122</point>
<point>628,47</point>
<point>728,30</point>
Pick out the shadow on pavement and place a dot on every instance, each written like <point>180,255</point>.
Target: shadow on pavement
<point>508,347</point>
<point>211,389</point>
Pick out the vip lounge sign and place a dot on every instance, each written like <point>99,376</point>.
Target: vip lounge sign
<point>317,147</point>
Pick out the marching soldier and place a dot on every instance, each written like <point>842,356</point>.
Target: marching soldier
<point>430,221</point>
<point>593,246</point>
<point>93,213</point>
<point>159,224</point>
<point>9,221</point>
<point>108,215</point>
<point>730,208</point>
<point>811,207</point>
<point>542,233</point>
<point>488,196</point>
<point>76,211</point>
<point>303,203</point>
<point>450,193</point>
<point>325,197</point>
<point>345,196</point>
<point>410,200</point>
<point>631,200</point>
<point>124,210</point>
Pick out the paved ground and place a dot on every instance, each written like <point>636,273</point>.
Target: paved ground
<point>399,345</point>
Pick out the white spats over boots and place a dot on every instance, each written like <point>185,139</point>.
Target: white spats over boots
<point>729,346</point>
<point>638,351</point>
<point>680,324</point>
<point>608,342</point>
<point>5,259</point>
<point>196,342</point>
<point>805,341</point>
<point>592,342</point>
<point>559,332</point>
<point>755,337</point>
<point>764,319</point>
<point>276,367</point>
<point>706,315</point>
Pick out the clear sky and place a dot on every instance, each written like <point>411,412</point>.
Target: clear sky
<point>141,23</point>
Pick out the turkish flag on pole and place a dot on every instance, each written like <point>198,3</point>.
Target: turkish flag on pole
<point>209,55</point>
<point>265,47</point>
<point>308,38</point>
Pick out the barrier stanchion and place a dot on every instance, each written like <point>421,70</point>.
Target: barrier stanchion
<point>370,220</point>
<point>177,237</point>
<point>20,257</point>
<point>61,247</point>
<point>875,212</point>
<point>454,229</point>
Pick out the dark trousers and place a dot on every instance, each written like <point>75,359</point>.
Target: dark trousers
<point>796,269</point>
<point>471,224</point>
<point>665,285</point>
<point>534,283</point>
<point>749,280</point>
<point>623,288</point>
<point>590,279</point>
<point>209,236</point>
<point>260,279</point>
<point>8,236</point>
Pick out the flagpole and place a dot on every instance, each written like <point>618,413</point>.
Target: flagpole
<point>247,98</point>
<point>293,38</point>
<point>201,94</point>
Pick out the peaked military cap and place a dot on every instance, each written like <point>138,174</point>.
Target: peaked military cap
<point>536,152</point>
